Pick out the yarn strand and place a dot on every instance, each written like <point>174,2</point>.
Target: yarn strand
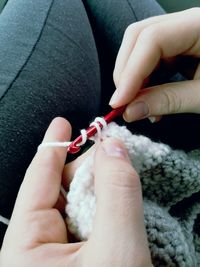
<point>96,123</point>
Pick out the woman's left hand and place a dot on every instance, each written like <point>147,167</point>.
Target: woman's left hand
<point>37,234</point>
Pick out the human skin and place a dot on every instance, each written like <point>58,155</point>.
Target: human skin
<point>37,234</point>
<point>172,40</point>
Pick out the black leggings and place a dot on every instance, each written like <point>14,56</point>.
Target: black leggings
<point>56,59</point>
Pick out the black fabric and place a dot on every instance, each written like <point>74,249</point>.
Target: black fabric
<point>109,19</point>
<point>60,77</point>
<point>3,228</point>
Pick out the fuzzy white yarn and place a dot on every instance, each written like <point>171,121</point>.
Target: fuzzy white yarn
<point>81,201</point>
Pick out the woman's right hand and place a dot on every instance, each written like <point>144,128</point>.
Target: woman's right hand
<point>173,39</point>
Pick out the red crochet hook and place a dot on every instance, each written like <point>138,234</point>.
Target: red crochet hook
<point>74,147</point>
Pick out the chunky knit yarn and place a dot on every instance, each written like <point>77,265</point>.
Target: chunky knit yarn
<point>171,189</point>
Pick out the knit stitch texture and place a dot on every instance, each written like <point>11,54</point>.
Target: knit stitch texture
<point>171,190</point>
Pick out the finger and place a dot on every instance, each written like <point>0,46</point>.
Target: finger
<point>119,213</point>
<point>180,97</point>
<point>58,255</point>
<point>151,46</point>
<point>129,40</point>
<point>41,186</point>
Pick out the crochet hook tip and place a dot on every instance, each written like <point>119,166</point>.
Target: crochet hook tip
<point>75,146</point>
<point>73,149</point>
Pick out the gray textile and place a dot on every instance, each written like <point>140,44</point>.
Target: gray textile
<point>172,209</point>
<point>56,59</point>
<point>171,189</point>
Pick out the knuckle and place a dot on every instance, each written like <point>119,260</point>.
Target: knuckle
<point>172,103</point>
<point>150,33</point>
<point>129,30</point>
<point>195,10</point>
<point>34,230</point>
<point>134,27</point>
<point>193,14</point>
<point>125,176</point>
<point>36,222</point>
<point>49,158</point>
<point>128,72</point>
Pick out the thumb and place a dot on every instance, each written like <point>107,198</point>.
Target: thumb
<point>119,215</point>
<point>170,98</point>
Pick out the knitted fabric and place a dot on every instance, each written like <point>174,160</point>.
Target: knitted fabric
<point>171,185</point>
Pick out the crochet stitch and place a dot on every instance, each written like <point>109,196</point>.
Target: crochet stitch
<point>171,185</point>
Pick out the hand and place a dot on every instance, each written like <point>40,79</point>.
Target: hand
<point>37,235</point>
<point>172,39</point>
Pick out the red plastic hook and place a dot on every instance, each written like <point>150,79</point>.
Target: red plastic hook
<point>74,147</point>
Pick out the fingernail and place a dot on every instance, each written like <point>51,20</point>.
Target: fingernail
<point>136,111</point>
<point>114,149</point>
<point>115,97</point>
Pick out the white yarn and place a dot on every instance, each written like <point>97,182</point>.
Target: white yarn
<point>81,201</point>
<point>84,137</point>
<point>54,144</point>
<point>100,120</point>
<point>95,123</point>
<point>4,220</point>
<point>62,190</point>
<point>97,126</point>
<point>168,176</point>
<point>83,134</point>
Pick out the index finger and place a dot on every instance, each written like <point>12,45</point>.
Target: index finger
<point>41,186</point>
<point>164,39</point>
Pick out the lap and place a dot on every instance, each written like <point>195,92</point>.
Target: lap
<point>48,68</point>
<point>109,20</point>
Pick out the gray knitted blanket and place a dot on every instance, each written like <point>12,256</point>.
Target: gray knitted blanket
<point>171,189</point>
